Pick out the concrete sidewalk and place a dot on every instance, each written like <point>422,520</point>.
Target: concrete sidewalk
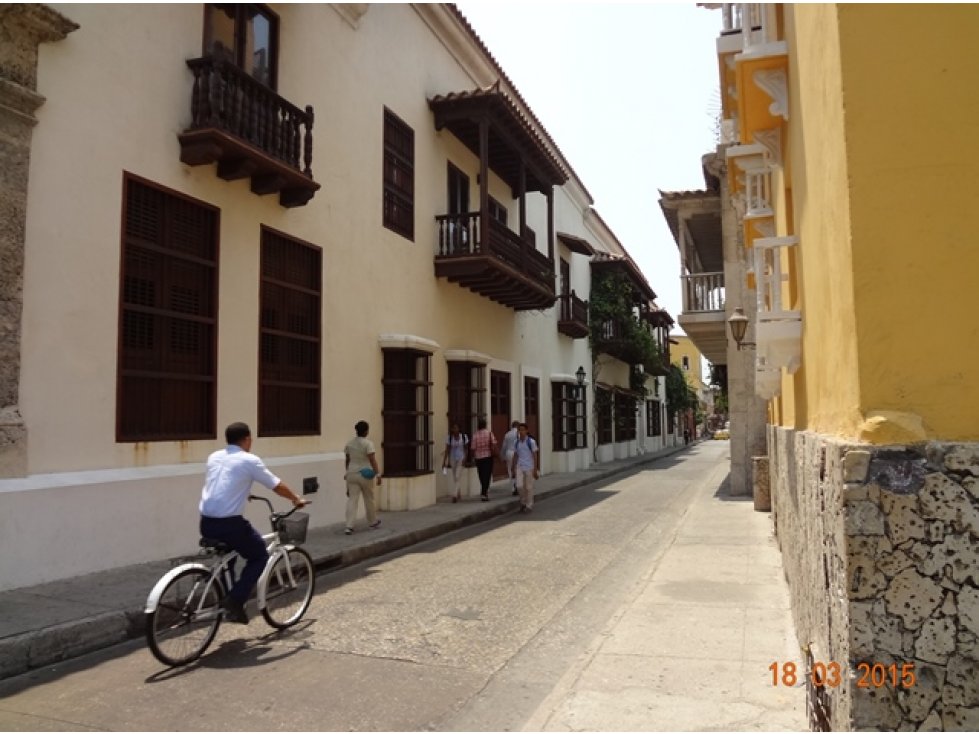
<point>692,649</point>
<point>44,624</point>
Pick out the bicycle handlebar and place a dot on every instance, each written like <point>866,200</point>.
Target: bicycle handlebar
<point>276,515</point>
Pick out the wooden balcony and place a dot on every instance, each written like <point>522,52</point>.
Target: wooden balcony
<point>611,342</point>
<point>503,266</point>
<point>250,132</point>
<point>572,316</point>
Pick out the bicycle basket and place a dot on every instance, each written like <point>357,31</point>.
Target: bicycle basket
<point>292,529</point>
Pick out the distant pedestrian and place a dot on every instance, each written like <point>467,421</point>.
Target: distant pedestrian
<point>506,453</point>
<point>686,436</point>
<point>484,448</point>
<point>360,472</point>
<point>454,458</point>
<point>526,467</point>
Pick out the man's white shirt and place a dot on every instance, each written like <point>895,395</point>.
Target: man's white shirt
<point>230,473</point>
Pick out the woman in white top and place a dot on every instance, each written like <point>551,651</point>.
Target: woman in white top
<point>454,457</point>
<point>359,472</point>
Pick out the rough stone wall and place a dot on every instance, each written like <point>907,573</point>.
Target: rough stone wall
<point>881,547</point>
<point>22,28</point>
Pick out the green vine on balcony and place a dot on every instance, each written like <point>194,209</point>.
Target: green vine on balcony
<point>679,395</point>
<point>612,301</point>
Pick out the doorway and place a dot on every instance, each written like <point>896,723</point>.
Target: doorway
<point>499,414</point>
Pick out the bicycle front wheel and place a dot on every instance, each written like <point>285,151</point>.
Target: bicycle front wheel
<point>289,588</point>
<point>185,619</point>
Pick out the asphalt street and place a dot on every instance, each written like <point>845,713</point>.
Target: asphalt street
<point>475,630</point>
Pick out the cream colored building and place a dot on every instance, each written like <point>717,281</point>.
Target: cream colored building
<point>299,218</point>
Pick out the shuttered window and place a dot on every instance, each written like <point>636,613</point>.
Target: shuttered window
<point>625,416</point>
<point>603,415</point>
<point>289,334</point>
<point>568,411</point>
<point>654,420</point>
<point>399,176</point>
<point>407,413</point>
<point>467,395</point>
<point>167,361</point>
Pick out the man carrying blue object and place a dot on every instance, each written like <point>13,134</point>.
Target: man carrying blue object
<point>359,472</point>
<point>526,467</point>
<point>230,473</point>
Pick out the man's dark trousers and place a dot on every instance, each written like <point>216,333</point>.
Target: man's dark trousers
<point>484,468</point>
<point>238,533</point>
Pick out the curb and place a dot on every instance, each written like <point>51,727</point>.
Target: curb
<point>27,651</point>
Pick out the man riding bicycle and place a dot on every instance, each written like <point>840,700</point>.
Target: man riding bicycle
<point>230,473</point>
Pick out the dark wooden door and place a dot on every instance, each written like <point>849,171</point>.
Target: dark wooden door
<point>499,414</point>
<point>531,408</point>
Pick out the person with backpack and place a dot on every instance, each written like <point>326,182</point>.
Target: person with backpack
<point>454,458</point>
<point>526,467</point>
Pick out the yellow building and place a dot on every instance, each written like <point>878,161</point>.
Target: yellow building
<point>685,355</point>
<point>848,134</point>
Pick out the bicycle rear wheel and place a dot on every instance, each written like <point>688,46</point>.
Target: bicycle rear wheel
<point>289,589</point>
<point>186,618</point>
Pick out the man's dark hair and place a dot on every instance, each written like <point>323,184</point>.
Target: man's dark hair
<point>362,428</point>
<point>481,423</point>
<point>524,426</point>
<point>236,433</point>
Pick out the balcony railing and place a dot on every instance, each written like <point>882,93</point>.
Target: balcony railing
<point>573,316</point>
<point>250,131</point>
<point>703,292</point>
<point>749,19</point>
<point>502,266</point>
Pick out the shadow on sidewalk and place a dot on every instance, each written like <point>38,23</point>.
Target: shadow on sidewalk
<point>723,493</point>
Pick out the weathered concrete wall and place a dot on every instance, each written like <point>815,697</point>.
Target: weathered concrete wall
<point>881,552</point>
<point>22,28</point>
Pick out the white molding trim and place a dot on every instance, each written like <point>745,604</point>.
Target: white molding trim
<point>467,355</point>
<point>776,241</point>
<point>141,473</point>
<point>561,377</point>
<point>771,140</point>
<point>407,341</point>
<point>773,83</point>
<point>351,12</point>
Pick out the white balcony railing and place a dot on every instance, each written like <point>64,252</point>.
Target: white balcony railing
<point>703,292</point>
<point>754,21</point>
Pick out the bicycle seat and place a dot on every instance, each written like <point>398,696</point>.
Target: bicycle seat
<point>218,546</point>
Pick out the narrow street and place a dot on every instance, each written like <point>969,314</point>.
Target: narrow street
<point>485,629</point>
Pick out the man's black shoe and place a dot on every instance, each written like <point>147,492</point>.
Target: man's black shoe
<point>234,611</point>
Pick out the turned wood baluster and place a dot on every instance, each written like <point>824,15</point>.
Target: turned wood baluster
<point>308,143</point>
<point>195,102</point>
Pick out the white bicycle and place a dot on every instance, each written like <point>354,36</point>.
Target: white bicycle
<point>183,611</point>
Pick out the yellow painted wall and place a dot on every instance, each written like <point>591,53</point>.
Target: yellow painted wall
<point>828,388</point>
<point>684,347</point>
<point>911,132</point>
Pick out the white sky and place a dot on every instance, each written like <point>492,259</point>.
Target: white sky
<point>629,94</point>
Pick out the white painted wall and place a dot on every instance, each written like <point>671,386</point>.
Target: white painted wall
<point>118,94</point>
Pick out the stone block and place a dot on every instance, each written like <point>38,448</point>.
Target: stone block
<point>957,556</point>
<point>967,645</point>
<point>856,464</point>
<point>943,499</point>
<point>968,607</point>
<point>891,564</point>
<point>960,719</point>
<point>863,518</point>
<point>963,674</point>
<point>932,723</point>
<point>861,630</point>
<point>963,459</point>
<point>902,517</point>
<point>761,484</point>
<point>912,597</point>
<point>936,640</point>
<point>949,607</point>
<point>864,581</point>
<point>919,700</point>
<point>875,708</point>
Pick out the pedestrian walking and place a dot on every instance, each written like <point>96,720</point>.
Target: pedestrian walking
<point>483,449</point>
<point>506,453</point>
<point>526,466</point>
<point>454,457</point>
<point>360,473</point>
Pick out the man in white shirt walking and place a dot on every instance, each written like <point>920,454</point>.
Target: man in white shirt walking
<point>526,467</point>
<point>506,453</point>
<point>230,473</point>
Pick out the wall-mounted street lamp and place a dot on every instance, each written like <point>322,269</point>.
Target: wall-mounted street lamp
<point>738,324</point>
<point>580,375</point>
